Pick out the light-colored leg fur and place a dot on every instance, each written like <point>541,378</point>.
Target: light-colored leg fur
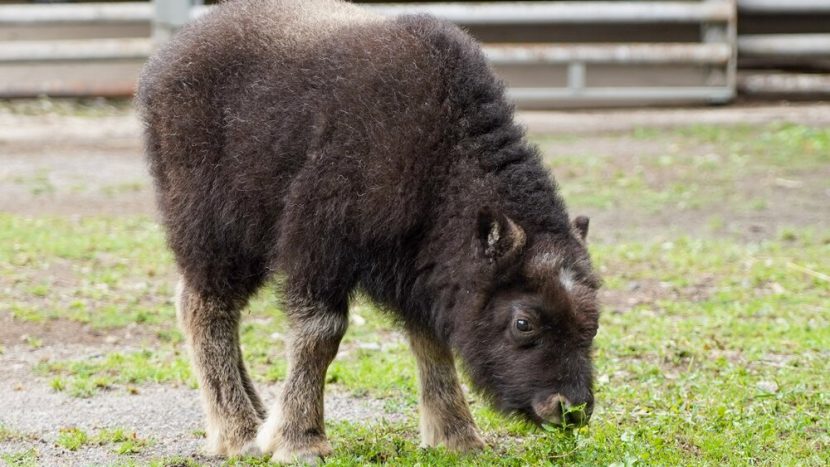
<point>233,410</point>
<point>445,417</point>
<point>294,431</point>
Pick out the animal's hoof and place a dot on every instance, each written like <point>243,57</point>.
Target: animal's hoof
<point>227,445</point>
<point>309,454</point>
<point>470,444</point>
<point>306,451</point>
<point>462,442</point>
<point>250,449</point>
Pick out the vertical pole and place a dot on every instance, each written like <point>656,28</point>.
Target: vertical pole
<point>732,37</point>
<point>724,33</point>
<point>169,16</point>
<point>576,77</point>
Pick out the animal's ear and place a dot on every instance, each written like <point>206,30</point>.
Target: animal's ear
<point>581,225</point>
<point>500,237</point>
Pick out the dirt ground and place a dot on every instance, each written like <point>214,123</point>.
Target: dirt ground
<point>76,166</point>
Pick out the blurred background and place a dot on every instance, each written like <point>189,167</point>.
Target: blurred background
<point>551,54</point>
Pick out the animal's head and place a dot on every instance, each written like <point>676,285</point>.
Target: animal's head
<point>528,347</point>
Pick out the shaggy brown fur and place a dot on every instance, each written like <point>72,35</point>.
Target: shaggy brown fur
<point>346,151</point>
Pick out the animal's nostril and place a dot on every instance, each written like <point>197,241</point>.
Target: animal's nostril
<point>557,406</point>
<point>550,409</point>
<point>578,415</point>
<point>558,410</point>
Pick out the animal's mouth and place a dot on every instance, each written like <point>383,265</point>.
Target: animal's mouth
<point>557,410</point>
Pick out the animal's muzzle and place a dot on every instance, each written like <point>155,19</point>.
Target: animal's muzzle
<point>558,410</point>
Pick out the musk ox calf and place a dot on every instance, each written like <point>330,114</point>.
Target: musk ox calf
<point>343,151</point>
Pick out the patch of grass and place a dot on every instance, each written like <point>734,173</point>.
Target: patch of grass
<point>33,342</point>
<point>57,384</point>
<point>72,438</point>
<point>101,272</point>
<point>398,444</point>
<point>123,442</point>
<point>38,183</point>
<point>7,434</point>
<point>121,188</point>
<point>27,458</point>
<point>784,144</point>
<point>131,446</point>
<point>174,461</point>
<point>696,167</point>
<point>83,378</point>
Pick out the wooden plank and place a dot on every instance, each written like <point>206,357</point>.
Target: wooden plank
<point>815,45</point>
<point>671,94</point>
<point>557,12</point>
<point>78,13</point>
<point>784,6</point>
<point>75,50</point>
<point>514,54</point>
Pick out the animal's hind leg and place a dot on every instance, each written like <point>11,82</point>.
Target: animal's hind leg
<point>445,417</point>
<point>231,405</point>
<point>250,389</point>
<point>294,430</point>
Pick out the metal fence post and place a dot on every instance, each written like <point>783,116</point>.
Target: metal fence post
<point>169,16</point>
<point>723,33</point>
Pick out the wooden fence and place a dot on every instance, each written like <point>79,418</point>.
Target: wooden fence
<point>617,52</point>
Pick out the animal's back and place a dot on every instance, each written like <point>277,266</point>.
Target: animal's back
<point>227,62</point>
<point>224,132</point>
<point>262,104</point>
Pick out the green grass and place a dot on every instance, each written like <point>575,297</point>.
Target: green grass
<point>690,168</point>
<point>122,441</point>
<point>173,461</point>
<point>72,438</point>
<point>26,458</point>
<point>101,272</point>
<point>684,374</point>
<point>8,434</point>
<point>124,187</point>
<point>38,184</point>
<point>711,351</point>
<point>83,378</point>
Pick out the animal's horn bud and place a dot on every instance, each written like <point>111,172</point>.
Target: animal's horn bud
<point>580,223</point>
<point>500,237</point>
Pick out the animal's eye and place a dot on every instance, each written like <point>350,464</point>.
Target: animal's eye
<point>523,325</point>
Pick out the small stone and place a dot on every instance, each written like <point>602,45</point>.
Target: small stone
<point>777,288</point>
<point>768,386</point>
<point>788,183</point>
<point>358,320</point>
<point>368,346</point>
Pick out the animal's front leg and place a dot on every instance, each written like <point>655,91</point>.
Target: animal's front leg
<point>294,431</point>
<point>445,417</point>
